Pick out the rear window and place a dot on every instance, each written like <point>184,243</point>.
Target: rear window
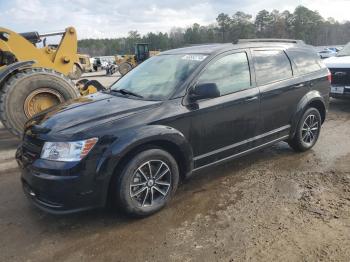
<point>306,62</point>
<point>271,66</point>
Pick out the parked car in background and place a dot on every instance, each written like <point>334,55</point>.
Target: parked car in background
<point>174,114</point>
<point>97,64</point>
<point>327,53</point>
<point>107,60</point>
<point>334,49</point>
<point>102,62</point>
<point>340,70</point>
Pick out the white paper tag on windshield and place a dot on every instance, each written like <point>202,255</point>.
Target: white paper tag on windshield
<point>194,57</point>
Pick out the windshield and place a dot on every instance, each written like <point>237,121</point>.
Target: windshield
<point>345,51</point>
<point>158,77</point>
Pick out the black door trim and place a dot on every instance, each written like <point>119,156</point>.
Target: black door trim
<point>214,152</point>
<point>243,152</point>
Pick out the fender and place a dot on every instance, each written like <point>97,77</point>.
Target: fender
<point>307,99</point>
<point>131,139</point>
<point>9,69</point>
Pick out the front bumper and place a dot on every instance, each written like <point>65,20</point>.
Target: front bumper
<point>64,193</point>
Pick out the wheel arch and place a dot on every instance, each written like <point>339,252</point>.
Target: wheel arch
<point>172,148</point>
<point>319,105</point>
<point>170,140</point>
<point>311,99</point>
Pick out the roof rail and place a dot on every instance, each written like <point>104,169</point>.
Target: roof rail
<point>272,40</point>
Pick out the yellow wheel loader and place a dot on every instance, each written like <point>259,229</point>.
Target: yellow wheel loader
<point>128,62</point>
<point>33,79</point>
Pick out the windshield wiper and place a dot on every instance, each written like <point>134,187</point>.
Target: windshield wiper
<point>126,92</point>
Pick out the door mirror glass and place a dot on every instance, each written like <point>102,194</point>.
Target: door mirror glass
<point>204,91</point>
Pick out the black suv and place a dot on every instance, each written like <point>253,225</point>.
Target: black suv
<point>176,113</point>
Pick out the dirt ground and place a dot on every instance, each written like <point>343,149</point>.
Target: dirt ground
<point>273,205</point>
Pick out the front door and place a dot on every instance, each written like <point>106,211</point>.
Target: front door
<point>224,126</point>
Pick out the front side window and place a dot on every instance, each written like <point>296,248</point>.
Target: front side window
<point>271,66</point>
<point>158,77</point>
<point>230,73</point>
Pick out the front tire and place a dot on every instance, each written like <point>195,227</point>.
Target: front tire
<point>147,183</point>
<point>308,131</point>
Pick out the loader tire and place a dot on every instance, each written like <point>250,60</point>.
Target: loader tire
<point>124,68</point>
<point>29,92</point>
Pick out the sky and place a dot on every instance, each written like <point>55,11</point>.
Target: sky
<point>115,18</point>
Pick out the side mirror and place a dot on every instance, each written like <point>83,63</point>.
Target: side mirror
<point>204,91</point>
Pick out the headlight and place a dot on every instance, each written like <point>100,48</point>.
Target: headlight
<point>67,151</point>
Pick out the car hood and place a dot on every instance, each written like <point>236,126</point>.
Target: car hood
<point>89,111</point>
<point>338,62</point>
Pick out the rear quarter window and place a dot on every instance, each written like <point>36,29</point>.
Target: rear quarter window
<point>271,66</point>
<point>306,62</point>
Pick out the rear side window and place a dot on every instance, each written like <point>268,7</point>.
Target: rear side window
<point>230,73</point>
<point>306,62</point>
<point>271,66</point>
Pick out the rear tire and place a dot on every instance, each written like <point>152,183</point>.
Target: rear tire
<point>18,88</point>
<point>142,193</point>
<point>308,131</point>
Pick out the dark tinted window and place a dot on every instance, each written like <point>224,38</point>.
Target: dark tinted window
<point>230,73</point>
<point>306,62</point>
<point>271,66</point>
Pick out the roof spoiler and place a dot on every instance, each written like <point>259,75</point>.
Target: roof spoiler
<point>271,40</point>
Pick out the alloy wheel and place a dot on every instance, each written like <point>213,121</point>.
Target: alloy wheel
<point>310,129</point>
<point>150,183</point>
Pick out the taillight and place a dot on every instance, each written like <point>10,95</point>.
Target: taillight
<point>329,76</point>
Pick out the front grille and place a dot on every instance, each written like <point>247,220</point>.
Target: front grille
<point>340,76</point>
<point>31,147</point>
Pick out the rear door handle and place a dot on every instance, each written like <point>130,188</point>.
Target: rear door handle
<point>250,99</point>
<point>299,85</point>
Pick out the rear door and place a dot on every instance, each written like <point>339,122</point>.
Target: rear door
<point>280,92</point>
<point>222,126</point>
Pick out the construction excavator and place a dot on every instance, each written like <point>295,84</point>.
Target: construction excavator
<point>33,79</point>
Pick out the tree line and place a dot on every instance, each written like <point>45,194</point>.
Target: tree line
<point>303,24</point>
